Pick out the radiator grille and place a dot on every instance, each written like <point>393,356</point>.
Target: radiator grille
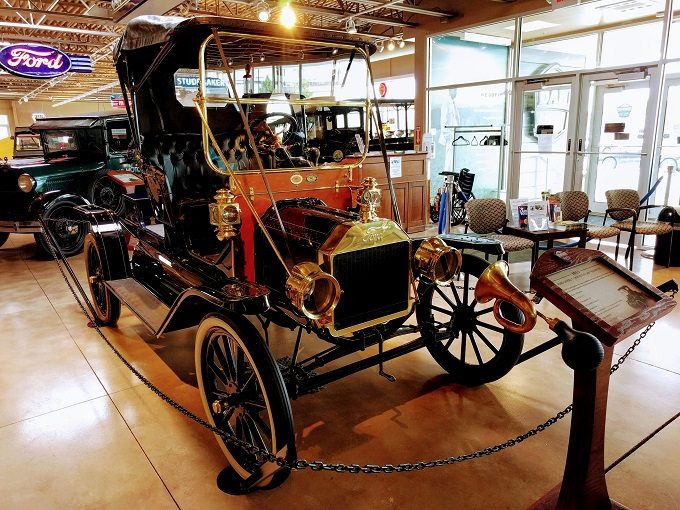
<point>374,281</point>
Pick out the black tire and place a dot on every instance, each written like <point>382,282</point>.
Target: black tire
<point>68,228</point>
<point>106,305</point>
<point>3,237</point>
<point>105,193</point>
<point>462,335</point>
<point>243,393</point>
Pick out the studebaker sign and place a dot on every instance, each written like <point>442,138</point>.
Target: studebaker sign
<point>41,61</point>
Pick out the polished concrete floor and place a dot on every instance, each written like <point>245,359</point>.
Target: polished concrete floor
<point>78,430</point>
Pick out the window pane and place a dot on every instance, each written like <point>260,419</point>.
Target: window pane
<point>478,54</point>
<point>631,45</point>
<point>554,57</point>
<point>674,38</point>
<point>454,113</point>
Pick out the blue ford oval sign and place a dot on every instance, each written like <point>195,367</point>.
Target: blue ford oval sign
<point>34,60</point>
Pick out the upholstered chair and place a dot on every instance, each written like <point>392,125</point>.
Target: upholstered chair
<point>623,205</point>
<point>487,216</point>
<point>576,207</point>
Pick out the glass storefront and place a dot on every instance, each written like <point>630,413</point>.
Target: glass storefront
<point>586,86</point>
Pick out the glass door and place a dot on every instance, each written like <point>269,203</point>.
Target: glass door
<point>668,191</point>
<point>613,143</point>
<point>542,136</point>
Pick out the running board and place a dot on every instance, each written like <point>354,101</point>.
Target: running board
<point>142,302</point>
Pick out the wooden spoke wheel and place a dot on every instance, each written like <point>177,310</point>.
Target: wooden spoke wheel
<point>244,395</point>
<point>462,335</point>
<point>106,305</point>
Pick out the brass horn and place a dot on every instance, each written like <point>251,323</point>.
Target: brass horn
<point>495,284</point>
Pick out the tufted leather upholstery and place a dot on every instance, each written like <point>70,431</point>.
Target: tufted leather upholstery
<point>487,216</point>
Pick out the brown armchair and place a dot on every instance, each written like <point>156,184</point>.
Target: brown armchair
<point>623,205</point>
<point>487,216</point>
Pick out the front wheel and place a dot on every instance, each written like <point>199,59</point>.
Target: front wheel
<point>243,394</point>
<point>3,237</point>
<point>68,228</point>
<point>105,193</point>
<point>464,336</point>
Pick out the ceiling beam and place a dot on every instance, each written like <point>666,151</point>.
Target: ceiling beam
<point>7,36</point>
<point>62,16</point>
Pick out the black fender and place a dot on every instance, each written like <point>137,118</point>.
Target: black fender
<point>240,298</point>
<point>49,199</point>
<point>110,238</point>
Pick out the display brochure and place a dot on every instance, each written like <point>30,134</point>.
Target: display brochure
<point>515,205</point>
<point>537,215</point>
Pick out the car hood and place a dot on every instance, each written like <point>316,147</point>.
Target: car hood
<point>38,167</point>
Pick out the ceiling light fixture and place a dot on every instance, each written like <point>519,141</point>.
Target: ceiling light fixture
<point>261,57</point>
<point>380,45</point>
<point>390,45</point>
<point>351,26</point>
<point>334,52</point>
<point>288,17</point>
<point>400,40</point>
<point>263,11</point>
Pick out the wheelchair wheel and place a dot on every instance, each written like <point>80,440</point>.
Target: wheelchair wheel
<point>457,212</point>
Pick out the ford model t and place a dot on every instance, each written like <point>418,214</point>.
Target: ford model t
<point>245,226</point>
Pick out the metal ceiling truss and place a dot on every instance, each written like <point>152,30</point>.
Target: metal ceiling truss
<point>86,27</point>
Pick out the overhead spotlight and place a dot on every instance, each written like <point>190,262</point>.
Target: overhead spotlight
<point>350,26</point>
<point>261,57</point>
<point>400,41</point>
<point>230,62</point>
<point>263,11</point>
<point>380,45</point>
<point>390,45</point>
<point>301,56</point>
<point>252,59</point>
<point>288,17</point>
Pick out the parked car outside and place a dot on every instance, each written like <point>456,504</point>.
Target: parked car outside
<point>78,153</point>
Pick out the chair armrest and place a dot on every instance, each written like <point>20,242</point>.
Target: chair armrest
<point>632,212</point>
<point>651,206</point>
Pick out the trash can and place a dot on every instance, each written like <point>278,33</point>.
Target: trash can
<point>670,241</point>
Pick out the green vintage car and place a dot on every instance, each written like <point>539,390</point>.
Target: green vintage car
<point>79,154</point>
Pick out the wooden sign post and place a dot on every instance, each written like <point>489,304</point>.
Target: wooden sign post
<point>608,301</point>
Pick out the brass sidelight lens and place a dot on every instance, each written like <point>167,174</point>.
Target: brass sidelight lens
<point>312,291</point>
<point>437,261</point>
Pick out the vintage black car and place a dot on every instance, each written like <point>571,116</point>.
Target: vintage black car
<point>244,228</point>
<point>77,154</point>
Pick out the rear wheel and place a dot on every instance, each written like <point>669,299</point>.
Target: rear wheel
<point>106,305</point>
<point>244,395</point>
<point>462,335</point>
<point>67,226</point>
<point>3,237</point>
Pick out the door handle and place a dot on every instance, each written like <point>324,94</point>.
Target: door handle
<point>580,144</point>
<point>568,144</point>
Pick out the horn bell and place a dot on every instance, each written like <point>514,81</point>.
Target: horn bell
<point>437,261</point>
<point>495,284</point>
<point>312,291</point>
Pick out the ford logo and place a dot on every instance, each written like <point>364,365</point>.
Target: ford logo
<point>34,60</point>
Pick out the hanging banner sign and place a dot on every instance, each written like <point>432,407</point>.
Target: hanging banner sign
<point>117,101</point>
<point>34,60</point>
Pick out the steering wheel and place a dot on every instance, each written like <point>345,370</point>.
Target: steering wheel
<point>275,125</point>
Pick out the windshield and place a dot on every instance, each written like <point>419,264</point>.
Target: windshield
<point>306,103</point>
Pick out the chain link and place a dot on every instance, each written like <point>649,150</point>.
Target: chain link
<point>317,465</point>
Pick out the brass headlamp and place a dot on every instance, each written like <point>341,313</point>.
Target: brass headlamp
<point>312,291</point>
<point>437,261</point>
<point>225,214</point>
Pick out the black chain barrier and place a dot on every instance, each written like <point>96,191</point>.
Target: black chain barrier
<point>302,464</point>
